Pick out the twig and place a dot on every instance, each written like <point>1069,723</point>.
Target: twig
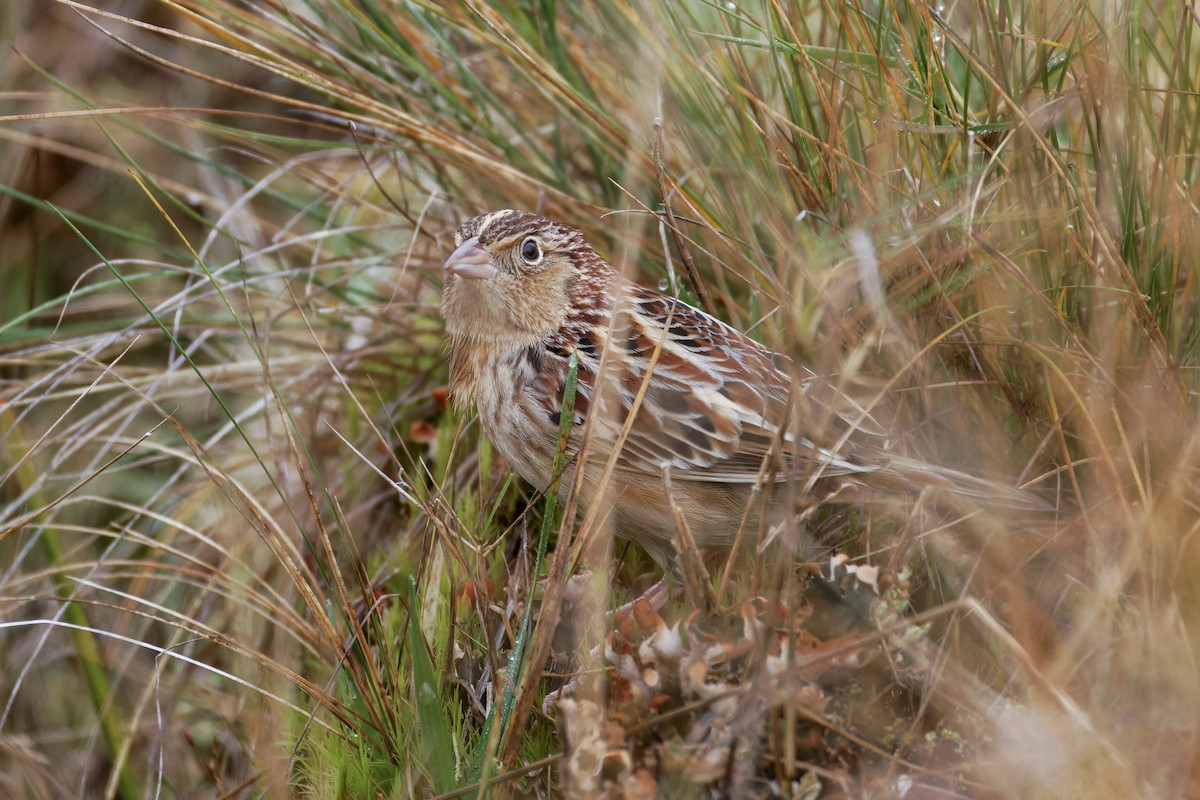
<point>685,254</point>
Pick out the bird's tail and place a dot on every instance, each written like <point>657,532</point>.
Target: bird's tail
<point>913,476</point>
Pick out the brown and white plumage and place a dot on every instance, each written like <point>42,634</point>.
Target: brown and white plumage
<point>523,292</point>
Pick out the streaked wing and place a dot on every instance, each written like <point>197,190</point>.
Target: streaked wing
<point>715,403</point>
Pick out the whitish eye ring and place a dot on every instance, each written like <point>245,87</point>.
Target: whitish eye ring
<point>531,253</point>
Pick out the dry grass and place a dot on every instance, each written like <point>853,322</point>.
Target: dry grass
<point>228,472</point>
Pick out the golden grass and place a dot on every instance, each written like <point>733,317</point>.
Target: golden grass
<point>246,548</point>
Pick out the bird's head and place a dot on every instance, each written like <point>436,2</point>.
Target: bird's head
<point>514,276</point>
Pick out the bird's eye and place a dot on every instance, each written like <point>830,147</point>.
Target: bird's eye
<point>530,252</point>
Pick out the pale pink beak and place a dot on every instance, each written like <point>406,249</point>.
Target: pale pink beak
<point>470,260</point>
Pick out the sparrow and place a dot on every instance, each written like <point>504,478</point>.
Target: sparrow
<point>723,429</point>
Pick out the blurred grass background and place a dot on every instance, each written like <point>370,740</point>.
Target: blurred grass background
<point>228,471</point>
